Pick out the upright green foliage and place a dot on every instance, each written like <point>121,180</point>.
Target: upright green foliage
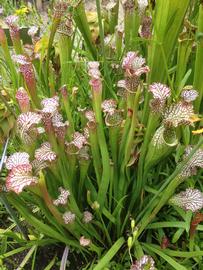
<point>199,58</point>
<point>102,149</point>
<point>168,22</point>
<point>82,23</point>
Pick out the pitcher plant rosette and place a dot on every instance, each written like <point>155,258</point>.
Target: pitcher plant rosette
<point>108,130</point>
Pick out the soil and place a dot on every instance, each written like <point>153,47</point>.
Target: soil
<point>44,253</point>
<point>43,258</point>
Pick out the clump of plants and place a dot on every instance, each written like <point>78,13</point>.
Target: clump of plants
<point>25,10</point>
<point>107,137</point>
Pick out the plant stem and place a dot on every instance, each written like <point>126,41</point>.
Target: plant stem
<point>48,200</point>
<point>103,187</point>
<point>198,82</point>
<point>95,153</point>
<point>128,27</point>
<point>152,123</point>
<point>82,23</point>
<point>54,26</point>
<point>134,123</point>
<point>184,50</point>
<point>113,20</point>
<point>8,59</point>
<point>65,47</point>
<point>110,254</point>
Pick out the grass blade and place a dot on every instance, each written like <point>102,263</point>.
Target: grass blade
<point>110,254</point>
<point>167,258</point>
